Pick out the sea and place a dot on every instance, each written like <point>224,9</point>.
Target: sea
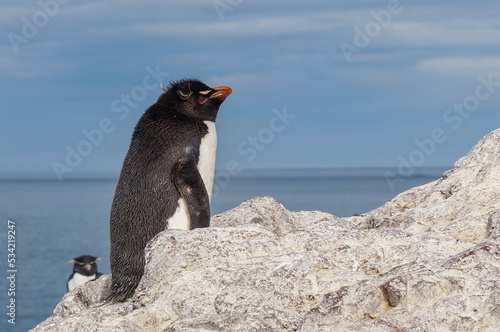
<point>45,222</point>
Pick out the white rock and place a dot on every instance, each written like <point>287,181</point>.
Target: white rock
<point>428,260</point>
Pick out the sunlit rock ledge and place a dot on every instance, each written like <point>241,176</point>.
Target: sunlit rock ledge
<point>428,260</point>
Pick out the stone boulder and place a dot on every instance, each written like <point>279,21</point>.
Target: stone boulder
<point>428,260</point>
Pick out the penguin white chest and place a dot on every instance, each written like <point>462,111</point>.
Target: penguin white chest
<point>206,168</point>
<point>206,164</point>
<point>78,280</point>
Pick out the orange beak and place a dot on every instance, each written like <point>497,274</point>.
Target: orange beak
<point>221,92</point>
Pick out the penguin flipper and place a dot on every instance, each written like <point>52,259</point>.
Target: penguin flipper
<point>189,183</point>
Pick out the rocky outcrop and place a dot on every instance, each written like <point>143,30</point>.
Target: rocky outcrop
<point>428,260</point>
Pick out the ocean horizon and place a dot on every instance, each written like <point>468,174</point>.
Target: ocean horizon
<point>56,221</point>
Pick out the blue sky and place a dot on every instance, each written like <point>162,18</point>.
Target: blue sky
<point>315,83</point>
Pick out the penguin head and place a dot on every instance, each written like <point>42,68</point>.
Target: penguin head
<point>85,265</point>
<point>194,98</point>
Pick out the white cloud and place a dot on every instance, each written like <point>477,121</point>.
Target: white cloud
<point>443,33</point>
<point>250,26</point>
<point>461,66</point>
<point>35,63</point>
<point>15,12</point>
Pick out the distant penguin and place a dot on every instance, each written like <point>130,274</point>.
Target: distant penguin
<point>166,179</point>
<point>84,269</point>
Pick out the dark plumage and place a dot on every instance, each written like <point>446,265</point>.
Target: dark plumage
<point>161,167</point>
<point>84,270</point>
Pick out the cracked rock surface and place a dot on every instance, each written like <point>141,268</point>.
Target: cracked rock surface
<point>428,260</point>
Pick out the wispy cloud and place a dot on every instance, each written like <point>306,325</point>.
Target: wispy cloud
<point>444,33</point>
<point>248,26</point>
<point>458,66</point>
<point>271,52</point>
<point>36,64</point>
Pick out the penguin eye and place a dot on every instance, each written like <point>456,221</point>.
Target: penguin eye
<point>183,95</point>
<point>206,92</point>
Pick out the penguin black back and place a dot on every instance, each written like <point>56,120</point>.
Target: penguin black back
<point>162,183</point>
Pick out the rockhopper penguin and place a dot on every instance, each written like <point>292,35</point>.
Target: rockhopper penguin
<point>166,179</point>
<point>84,269</point>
